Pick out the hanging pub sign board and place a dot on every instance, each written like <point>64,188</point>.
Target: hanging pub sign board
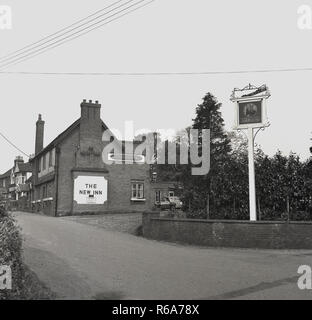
<point>250,111</point>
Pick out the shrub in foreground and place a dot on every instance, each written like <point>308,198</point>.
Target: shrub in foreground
<point>25,284</point>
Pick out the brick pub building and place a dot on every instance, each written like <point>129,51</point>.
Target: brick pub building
<point>70,176</point>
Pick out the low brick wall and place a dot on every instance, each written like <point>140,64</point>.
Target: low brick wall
<point>229,233</point>
<point>121,222</point>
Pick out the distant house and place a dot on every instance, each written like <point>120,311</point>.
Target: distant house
<point>15,184</point>
<point>23,176</point>
<point>163,190</point>
<point>5,180</point>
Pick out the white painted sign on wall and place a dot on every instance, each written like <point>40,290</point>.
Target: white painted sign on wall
<point>90,190</point>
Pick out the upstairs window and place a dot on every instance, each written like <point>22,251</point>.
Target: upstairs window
<point>137,191</point>
<point>44,164</point>
<point>50,159</point>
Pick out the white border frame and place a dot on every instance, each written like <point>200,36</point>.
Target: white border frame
<point>263,123</point>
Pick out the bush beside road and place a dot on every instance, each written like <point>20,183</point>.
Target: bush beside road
<point>25,284</point>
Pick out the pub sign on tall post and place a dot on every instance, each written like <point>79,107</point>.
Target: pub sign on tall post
<point>250,114</point>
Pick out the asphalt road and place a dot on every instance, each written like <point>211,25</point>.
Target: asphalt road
<point>81,261</point>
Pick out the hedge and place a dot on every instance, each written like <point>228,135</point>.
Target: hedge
<point>25,284</point>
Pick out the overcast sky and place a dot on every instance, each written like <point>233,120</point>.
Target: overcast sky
<point>166,36</point>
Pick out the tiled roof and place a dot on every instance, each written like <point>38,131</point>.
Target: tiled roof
<point>58,139</point>
<point>64,134</point>
<point>6,174</point>
<point>24,167</point>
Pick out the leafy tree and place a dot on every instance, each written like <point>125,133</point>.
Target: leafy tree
<point>283,183</point>
<point>202,192</point>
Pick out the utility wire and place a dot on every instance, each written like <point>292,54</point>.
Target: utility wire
<point>203,73</point>
<point>55,33</point>
<point>78,33</point>
<point>60,34</point>
<point>13,145</point>
<point>49,47</point>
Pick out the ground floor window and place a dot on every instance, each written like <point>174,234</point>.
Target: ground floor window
<point>137,190</point>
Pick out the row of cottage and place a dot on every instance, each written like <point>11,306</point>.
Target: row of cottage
<point>69,176</point>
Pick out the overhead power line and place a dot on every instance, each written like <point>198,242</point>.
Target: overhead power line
<point>78,33</point>
<point>4,58</point>
<point>13,145</point>
<point>42,42</point>
<point>199,73</point>
<point>125,11</point>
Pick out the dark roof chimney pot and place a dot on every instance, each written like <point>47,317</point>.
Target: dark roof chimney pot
<point>39,134</point>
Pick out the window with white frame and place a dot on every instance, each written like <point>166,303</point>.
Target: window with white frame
<point>137,190</point>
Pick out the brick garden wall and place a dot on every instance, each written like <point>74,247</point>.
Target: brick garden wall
<point>241,234</point>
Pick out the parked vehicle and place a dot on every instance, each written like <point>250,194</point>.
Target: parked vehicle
<point>169,203</point>
<point>164,204</point>
<point>176,201</point>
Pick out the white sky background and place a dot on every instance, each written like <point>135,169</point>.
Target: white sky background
<point>166,36</point>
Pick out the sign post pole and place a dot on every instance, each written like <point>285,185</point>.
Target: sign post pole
<point>252,183</point>
<point>250,114</point>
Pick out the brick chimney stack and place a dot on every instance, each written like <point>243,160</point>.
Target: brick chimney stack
<point>18,159</point>
<point>39,134</point>
<point>90,132</point>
